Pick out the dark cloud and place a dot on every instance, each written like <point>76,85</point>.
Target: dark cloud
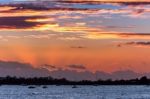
<point>18,69</point>
<point>50,66</point>
<point>64,4</point>
<point>36,6</point>
<point>139,11</point>
<point>72,74</point>
<point>87,75</point>
<point>123,2</point>
<point>18,22</point>
<point>141,43</point>
<point>41,6</point>
<point>75,66</point>
<point>121,27</point>
<point>78,47</point>
<point>134,34</point>
<point>138,43</point>
<point>126,74</point>
<point>22,7</point>
<point>134,3</point>
<point>21,70</point>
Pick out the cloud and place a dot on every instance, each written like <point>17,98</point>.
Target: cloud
<point>106,1</point>
<point>41,23</point>
<point>75,66</point>
<point>121,27</point>
<point>26,23</point>
<point>6,8</point>
<point>78,47</point>
<point>17,22</point>
<point>18,69</point>
<point>13,68</point>
<point>135,44</point>
<point>115,35</point>
<point>138,43</point>
<point>49,16</point>
<point>50,66</point>
<point>87,75</point>
<point>18,11</point>
<point>112,2</point>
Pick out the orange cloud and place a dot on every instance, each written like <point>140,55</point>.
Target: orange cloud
<point>6,8</point>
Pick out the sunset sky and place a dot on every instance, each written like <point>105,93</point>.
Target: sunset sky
<point>93,35</point>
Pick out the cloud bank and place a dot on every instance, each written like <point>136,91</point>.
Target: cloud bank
<point>18,69</point>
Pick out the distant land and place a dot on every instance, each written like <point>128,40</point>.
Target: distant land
<point>51,81</point>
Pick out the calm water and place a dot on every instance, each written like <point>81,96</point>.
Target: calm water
<point>82,92</point>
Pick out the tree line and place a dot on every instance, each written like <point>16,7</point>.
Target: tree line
<point>52,81</point>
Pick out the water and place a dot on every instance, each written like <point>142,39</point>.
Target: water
<point>82,92</point>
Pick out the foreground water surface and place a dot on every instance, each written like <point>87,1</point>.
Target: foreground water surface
<point>81,92</point>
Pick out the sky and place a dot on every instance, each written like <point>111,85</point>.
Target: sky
<point>80,35</point>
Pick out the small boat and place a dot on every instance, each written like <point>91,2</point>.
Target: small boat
<point>58,85</point>
<point>95,85</point>
<point>31,87</point>
<point>74,86</point>
<point>44,87</point>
